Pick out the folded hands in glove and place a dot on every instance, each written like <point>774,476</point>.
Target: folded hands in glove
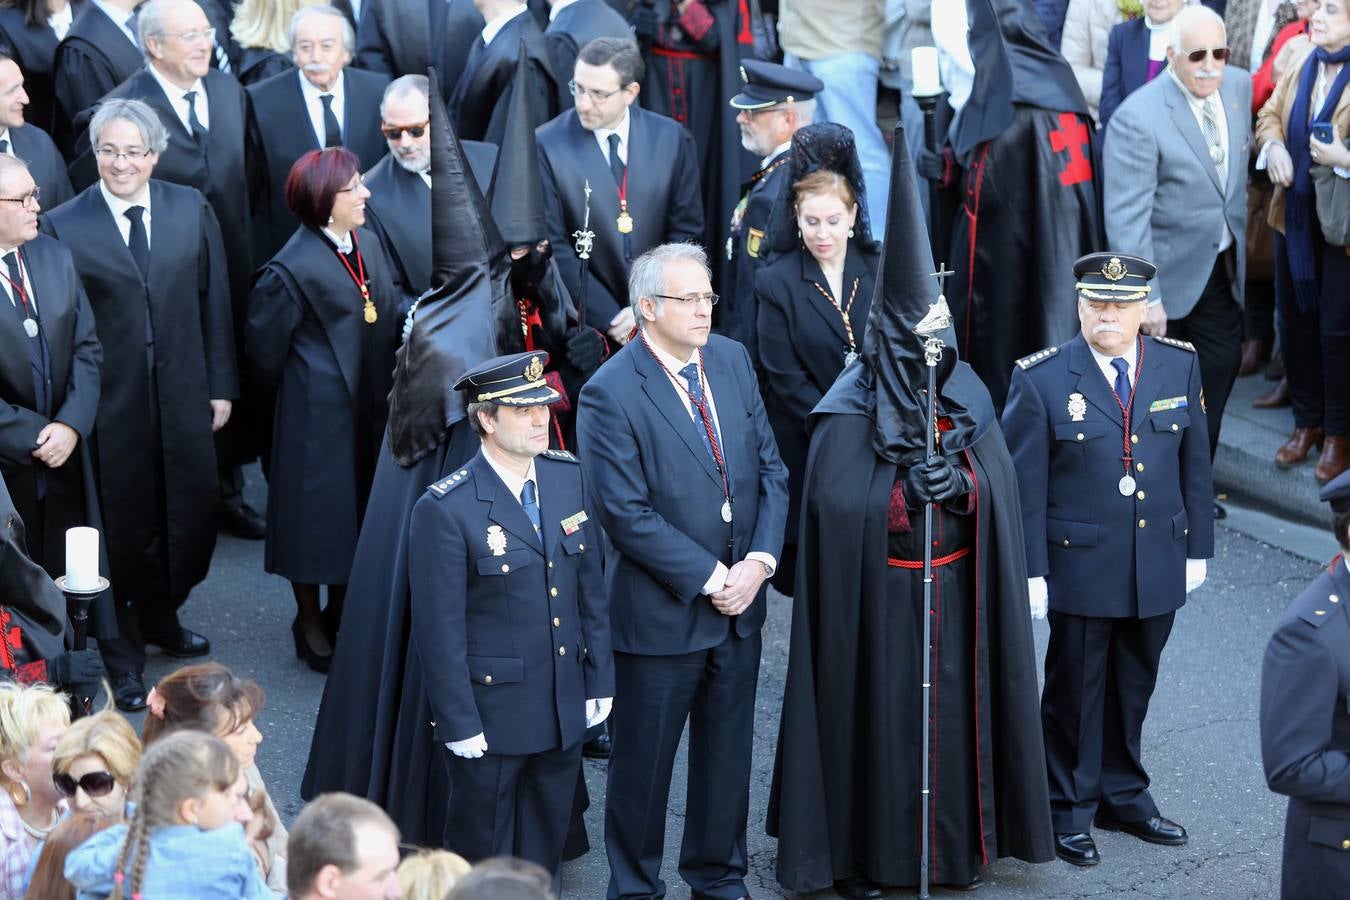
<point>935,481</point>
<point>585,348</point>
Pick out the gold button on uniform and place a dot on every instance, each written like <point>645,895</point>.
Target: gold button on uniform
<point>487,679</point>
<point>1141,523</point>
<point>553,592</point>
<point>556,621</point>
<point>562,651</point>
<point>505,567</point>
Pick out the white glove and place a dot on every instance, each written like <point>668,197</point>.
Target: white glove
<point>408,321</point>
<point>1040,596</point>
<point>470,748</point>
<point>1195,574</point>
<point>597,710</point>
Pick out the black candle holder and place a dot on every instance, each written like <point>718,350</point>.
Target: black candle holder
<point>78,603</point>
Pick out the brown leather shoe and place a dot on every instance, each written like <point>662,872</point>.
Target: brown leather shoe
<point>1255,354</point>
<point>1296,449</point>
<point>1335,458</point>
<point>1275,398</point>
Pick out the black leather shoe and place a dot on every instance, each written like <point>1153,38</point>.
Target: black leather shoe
<point>973,884</point>
<point>129,692</point>
<point>182,644</point>
<point>1077,849</point>
<point>598,747</point>
<point>242,521</point>
<point>855,887</point>
<point>1155,830</point>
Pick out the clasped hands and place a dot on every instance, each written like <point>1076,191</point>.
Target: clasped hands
<point>597,710</point>
<point>55,442</point>
<point>935,481</point>
<point>741,588</point>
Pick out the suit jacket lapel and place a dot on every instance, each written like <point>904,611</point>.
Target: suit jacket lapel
<point>506,510</point>
<point>1149,385</point>
<point>818,302</point>
<point>1189,129</point>
<point>1090,383</point>
<point>672,404</point>
<point>730,423</point>
<point>554,498</point>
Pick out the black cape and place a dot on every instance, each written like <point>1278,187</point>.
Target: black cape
<point>845,793</point>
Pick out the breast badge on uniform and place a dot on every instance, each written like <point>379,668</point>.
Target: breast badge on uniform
<point>572,524</point>
<point>1168,403</point>
<point>754,238</point>
<point>496,540</point>
<point>1077,407</point>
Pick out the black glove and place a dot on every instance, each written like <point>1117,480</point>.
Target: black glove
<point>76,667</point>
<point>645,21</point>
<point>930,165</point>
<point>935,481</point>
<point>585,348</point>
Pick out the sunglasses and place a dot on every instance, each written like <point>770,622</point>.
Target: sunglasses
<point>1220,54</point>
<point>394,132</point>
<point>95,784</point>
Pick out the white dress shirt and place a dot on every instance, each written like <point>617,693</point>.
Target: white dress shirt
<point>122,19</point>
<point>602,138</point>
<point>174,94</point>
<point>516,483</point>
<point>119,209</point>
<point>496,25</point>
<point>314,105</point>
<point>781,148</point>
<point>9,142</point>
<point>1197,106</point>
<point>1158,34</point>
<point>718,579</point>
<point>1109,371</point>
<point>59,22</point>
<point>27,282</point>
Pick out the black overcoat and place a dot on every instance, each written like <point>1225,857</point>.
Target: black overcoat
<point>187,298</point>
<point>33,47</point>
<point>482,96</point>
<point>32,145</point>
<point>94,57</point>
<point>404,37</point>
<point>307,344</point>
<point>260,63</point>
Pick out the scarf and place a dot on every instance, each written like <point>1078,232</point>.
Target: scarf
<point>1299,201</point>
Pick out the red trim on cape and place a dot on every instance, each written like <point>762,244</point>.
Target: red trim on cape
<point>918,563</point>
<point>979,791</point>
<point>977,172</point>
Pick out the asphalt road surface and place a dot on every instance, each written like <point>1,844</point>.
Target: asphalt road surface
<point>1200,743</point>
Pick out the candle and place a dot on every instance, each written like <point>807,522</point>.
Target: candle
<point>924,67</point>
<point>82,559</point>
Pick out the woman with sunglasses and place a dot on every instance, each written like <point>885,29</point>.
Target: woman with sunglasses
<point>1136,52</point>
<point>32,720</point>
<point>323,324</point>
<point>94,763</point>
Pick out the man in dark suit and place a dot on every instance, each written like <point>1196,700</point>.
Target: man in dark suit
<point>153,264</point>
<point>97,54</point>
<point>324,103</point>
<point>1129,62</point>
<point>630,209</point>
<point>1305,721</point>
<point>688,486</point>
<point>482,95</point>
<point>1116,539</point>
<point>27,142</point>
<point>403,37</point>
<point>511,621</point>
<point>399,208</point>
<point>572,24</point>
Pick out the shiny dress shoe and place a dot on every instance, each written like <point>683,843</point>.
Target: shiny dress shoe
<point>181,644</point>
<point>1154,830</point>
<point>1255,354</point>
<point>1275,398</point>
<point>319,662</point>
<point>1077,849</point>
<point>242,521</point>
<point>598,747</point>
<point>855,887</point>
<point>1296,449</point>
<point>1335,458</point>
<point>129,692</point>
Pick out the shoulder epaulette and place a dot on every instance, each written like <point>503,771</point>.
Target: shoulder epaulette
<point>1036,358</point>
<point>561,456</point>
<point>1173,342</point>
<point>1318,611</point>
<point>449,483</point>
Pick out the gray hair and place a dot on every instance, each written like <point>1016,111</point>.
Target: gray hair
<point>647,278</point>
<point>136,112</point>
<point>473,408</point>
<point>1190,15</point>
<point>150,20</point>
<point>404,85</point>
<point>305,12</point>
<point>806,111</point>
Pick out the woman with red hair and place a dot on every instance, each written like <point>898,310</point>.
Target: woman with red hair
<point>323,326</point>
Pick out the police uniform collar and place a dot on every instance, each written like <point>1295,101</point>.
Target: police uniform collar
<point>513,481</point>
<point>777,152</point>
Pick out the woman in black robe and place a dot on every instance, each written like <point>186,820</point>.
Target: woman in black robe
<point>323,327</point>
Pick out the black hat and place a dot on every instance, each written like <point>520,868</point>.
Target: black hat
<point>769,84</point>
<point>822,145</point>
<point>517,194</point>
<point>1337,493</point>
<point>515,380</point>
<point>1113,277</point>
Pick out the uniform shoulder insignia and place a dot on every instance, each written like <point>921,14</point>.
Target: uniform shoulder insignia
<point>449,482</point>
<point>1173,342</point>
<point>1036,358</point>
<point>561,456</point>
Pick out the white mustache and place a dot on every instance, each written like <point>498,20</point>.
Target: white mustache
<point>1107,328</point>
<point>317,68</point>
<point>1207,73</point>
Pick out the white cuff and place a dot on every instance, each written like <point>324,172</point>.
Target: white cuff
<point>766,558</point>
<point>1195,574</point>
<point>717,580</point>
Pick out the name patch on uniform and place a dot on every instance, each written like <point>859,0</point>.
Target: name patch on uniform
<point>1169,403</point>
<point>496,540</point>
<point>572,524</point>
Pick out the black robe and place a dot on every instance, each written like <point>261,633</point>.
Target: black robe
<point>159,548</point>
<point>482,97</point>
<point>33,47</point>
<point>845,794</point>
<point>404,37</point>
<point>307,344</point>
<point>574,27</point>
<point>32,145</point>
<point>94,57</point>
<point>279,133</point>
<point>28,590</point>
<point>260,63</point>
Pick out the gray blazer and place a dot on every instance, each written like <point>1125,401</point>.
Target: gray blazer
<point>1163,199</point>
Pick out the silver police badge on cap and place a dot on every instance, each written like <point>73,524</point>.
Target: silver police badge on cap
<point>496,540</point>
<point>1077,407</point>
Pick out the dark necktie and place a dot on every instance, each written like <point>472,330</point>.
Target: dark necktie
<point>529,499</point>
<point>1122,379</point>
<point>16,278</point>
<point>138,243</point>
<point>4,145</point>
<point>194,123</point>
<point>332,134</point>
<point>690,373</point>
<point>616,166</point>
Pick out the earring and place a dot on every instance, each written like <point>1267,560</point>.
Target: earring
<point>850,232</point>
<point>27,794</point>
<point>330,220</point>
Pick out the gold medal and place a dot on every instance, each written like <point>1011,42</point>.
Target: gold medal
<point>624,222</point>
<point>370,313</point>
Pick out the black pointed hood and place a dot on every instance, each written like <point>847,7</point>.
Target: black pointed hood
<point>887,382</point>
<point>822,145</point>
<point>517,194</point>
<point>1014,63</point>
<point>453,325</point>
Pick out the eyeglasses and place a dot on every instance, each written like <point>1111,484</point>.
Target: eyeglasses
<point>28,199</point>
<point>1220,54</point>
<point>692,299</point>
<point>94,784</point>
<point>191,37</point>
<point>593,96</point>
<point>135,154</point>
<point>307,47</point>
<point>395,132</point>
<point>351,188</point>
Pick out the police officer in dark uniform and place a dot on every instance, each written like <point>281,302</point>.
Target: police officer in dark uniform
<point>1305,722</point>
<point>1109,437</point>
<point>773,104</point>
<point>510,620</point>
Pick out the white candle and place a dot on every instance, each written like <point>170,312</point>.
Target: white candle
<point>924,68</point>
<point>82,559</point>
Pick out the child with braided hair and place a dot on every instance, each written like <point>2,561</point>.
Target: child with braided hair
<point>186,836</point>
